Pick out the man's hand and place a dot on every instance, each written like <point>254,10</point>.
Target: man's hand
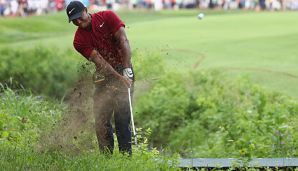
<point>127,72</point>
<point>128,75</point>
<point>126,81</point>
<point>98,77</point>
<point>107,69</point>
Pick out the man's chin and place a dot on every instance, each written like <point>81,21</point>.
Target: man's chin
<point>86,27</point>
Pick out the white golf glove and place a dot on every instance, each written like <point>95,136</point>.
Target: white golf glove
<point>127,72</point>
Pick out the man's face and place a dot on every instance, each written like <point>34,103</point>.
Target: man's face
<point>82,22</point>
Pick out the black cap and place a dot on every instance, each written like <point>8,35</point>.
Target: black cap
<point>74,10</point>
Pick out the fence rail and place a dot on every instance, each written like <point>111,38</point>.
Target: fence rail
<point>230,162</point>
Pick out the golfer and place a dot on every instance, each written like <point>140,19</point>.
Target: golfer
<point>101,38</point>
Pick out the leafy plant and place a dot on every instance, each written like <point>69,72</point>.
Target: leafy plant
<point>41,70</point>
<point>23,118</point>
<point>205,114</point>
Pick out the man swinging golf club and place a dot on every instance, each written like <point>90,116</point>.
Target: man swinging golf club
<point>101,38</point>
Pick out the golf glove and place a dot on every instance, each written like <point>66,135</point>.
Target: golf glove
<point>127,72</point>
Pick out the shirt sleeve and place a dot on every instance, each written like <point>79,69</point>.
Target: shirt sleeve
<point>83,46</point>
<point>113,21</point>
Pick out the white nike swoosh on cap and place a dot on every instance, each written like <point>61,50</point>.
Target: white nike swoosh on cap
<point>71,10</point>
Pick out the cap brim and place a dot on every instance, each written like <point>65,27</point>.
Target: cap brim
<point>77,15</point>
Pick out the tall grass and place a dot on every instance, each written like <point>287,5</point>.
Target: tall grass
<point>23,118</point>
<point>22,159</point>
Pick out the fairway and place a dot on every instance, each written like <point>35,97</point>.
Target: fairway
<point>260,45</point>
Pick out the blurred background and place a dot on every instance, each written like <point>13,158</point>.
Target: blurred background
<point>38,7</point>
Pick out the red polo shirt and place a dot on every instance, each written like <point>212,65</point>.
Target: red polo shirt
<point>100,37</point>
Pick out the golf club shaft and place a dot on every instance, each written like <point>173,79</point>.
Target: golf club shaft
<point>131,115</point>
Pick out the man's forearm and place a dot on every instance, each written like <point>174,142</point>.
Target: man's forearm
<point>106,69</point>
<point>126,52</point>
<point>102,66</point>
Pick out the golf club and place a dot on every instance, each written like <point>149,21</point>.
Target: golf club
<point>131,114</point>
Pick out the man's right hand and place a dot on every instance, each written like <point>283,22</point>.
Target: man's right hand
<point>126,81</point>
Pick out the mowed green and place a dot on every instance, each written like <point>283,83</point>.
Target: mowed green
<point>260,45</point>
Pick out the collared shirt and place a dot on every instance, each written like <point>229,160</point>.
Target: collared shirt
<point>101,38</point>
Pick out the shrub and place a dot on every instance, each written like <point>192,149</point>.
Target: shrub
<point>41,70</point>
<point>205,114</point>
<point>147,65</point>
<point>23,118</point>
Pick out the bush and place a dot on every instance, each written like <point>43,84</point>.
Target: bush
<point>147,66</point>
<point>205,114</point>
<point>23,118</point>
<point>41,70</point>
<point>45,71</point>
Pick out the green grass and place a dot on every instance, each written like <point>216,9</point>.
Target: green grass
<point>261,45</point>
<point>25,118</point>
<point>249,42</point>
<point>20,159</point>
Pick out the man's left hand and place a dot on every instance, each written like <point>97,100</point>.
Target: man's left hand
<point>127,72</point>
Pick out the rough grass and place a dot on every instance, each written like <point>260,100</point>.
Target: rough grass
<point>22,159</point>
<point>23,118</point>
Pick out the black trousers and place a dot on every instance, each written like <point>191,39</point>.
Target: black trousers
<point>109,99</point>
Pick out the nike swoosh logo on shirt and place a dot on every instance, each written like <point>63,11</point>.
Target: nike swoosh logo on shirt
<point>71,10</point>
<point>101,25</point>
